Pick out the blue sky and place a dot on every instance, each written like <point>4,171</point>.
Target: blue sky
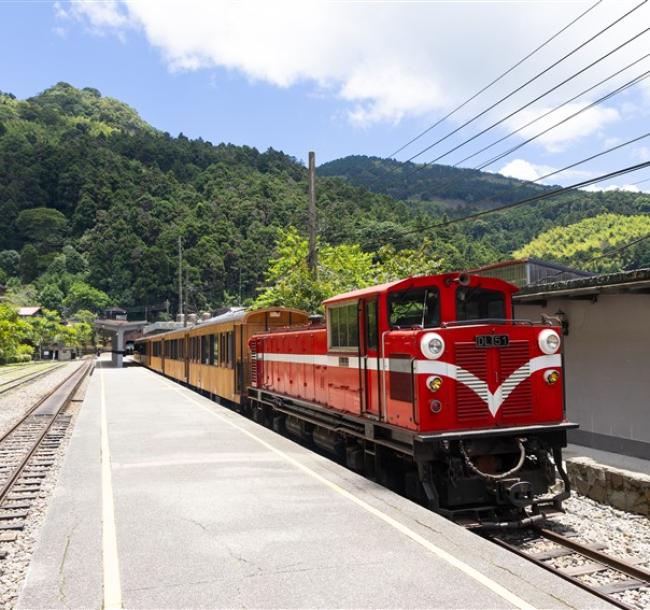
<point>344,77</point>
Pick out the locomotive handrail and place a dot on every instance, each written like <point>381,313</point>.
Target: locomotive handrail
<point>512,321</point>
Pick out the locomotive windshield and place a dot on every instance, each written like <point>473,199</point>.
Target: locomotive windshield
<point>480,304</point>
<point>414,307</point>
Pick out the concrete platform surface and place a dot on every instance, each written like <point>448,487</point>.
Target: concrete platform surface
<point>168,500</point>
<point>616,460</point>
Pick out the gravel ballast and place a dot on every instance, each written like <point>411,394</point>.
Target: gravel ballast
<point>15,565</point>
<point>15,403</point>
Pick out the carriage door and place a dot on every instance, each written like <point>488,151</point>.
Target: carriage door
<point>370,358</point>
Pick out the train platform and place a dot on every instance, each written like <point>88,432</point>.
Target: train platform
<point>606,458</point>
<point>169,500</point>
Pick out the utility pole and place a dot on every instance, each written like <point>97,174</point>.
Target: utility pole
<point>312,257</point>
<point>180,278</point>
<point>187,292</point>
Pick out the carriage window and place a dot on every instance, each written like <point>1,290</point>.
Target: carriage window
<point>211,346</point>
<point>415,307</point>
<point>205,350</point>
<point>343,327</point>
<point>480,303</point>
<point>215,347</point>
<point>372,331</point>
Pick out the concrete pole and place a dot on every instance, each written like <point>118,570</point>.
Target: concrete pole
<point>180,276</point>
<point>312,257</point>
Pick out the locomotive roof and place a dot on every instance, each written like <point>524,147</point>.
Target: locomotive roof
<point>418,280</point>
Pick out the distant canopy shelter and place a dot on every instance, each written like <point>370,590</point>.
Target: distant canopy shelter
<point>118,329</point>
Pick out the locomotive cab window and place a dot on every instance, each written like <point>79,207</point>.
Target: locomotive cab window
<point>414,307</point>
<point>343,327</point>
<point>475,303</point>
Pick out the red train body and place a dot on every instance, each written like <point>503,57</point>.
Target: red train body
<point>429,381</point>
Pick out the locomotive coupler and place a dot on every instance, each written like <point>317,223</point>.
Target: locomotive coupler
<point>515,492</point>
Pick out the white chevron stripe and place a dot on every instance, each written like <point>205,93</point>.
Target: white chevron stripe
<point>494,400</point>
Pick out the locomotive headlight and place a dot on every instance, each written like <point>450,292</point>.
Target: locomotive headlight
<point>434,383</point>
<point>432,345</point>
<point>549,341</point>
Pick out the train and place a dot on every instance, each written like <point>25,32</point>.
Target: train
<point>429,385</point>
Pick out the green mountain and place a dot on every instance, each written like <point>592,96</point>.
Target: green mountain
<point>94,200</point>
<point>456,187</point>
<point>85,173</point>
<point>459,192</point>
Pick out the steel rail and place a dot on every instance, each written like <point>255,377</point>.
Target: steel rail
<point>80,374</point>
<point>636,573</point>
<point>20,381</point>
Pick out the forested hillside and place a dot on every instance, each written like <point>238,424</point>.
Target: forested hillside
<point>442,187</point>
<point>94,200</point>
<point>442,183</point>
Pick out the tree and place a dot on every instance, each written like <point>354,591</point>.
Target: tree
<point>13,333</point>
<point>84,296</point>
<point>28,267</point>
<point>75,262</point>
<point>9,262</point>
<point>582,243</point>
<point>341,268</point>
<point>44,329</point>
<point>51,297</point>
<point>42,226</point>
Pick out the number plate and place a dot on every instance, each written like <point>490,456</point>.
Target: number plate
<point>492,340</point>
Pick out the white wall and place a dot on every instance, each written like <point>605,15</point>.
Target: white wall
<point>607,363</point>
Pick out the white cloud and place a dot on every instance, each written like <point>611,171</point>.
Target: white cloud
<point>385,60</point>
<point>524,170</point>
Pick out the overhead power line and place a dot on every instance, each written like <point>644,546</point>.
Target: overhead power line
<point>496,80</point>
<point>530,103</point>
<point>618,249</point>
<point>552,110</point>
<point>592,157</point>
<point>541,196</point>
<point>608,253</point>
<point>534,78</point>
<point>611,94</point>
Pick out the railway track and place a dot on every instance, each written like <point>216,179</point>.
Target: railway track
<point>28,451</point>
<point>618,576</point>
<point>12,384</point>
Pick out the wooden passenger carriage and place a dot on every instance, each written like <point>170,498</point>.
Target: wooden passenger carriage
<point>213,356</point>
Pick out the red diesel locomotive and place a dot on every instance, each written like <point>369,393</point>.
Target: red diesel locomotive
<point>430,385</point>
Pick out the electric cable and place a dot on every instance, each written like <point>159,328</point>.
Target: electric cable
<point>611,94</point>
<point>552,110</point>
<point>496,80</point>
<point>540,74</point>
<point>600,154</point>
<point>513,113</point>
<point>539,197</point>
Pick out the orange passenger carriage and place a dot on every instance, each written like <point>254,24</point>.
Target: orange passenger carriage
<point>213,356</point>
<point>431,382</point>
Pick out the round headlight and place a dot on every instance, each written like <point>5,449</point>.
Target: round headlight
<point>549,341</point>
<point>432,345</point>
